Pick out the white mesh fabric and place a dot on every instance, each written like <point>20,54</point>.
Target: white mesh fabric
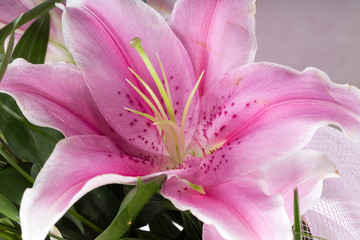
<point>337,214</point>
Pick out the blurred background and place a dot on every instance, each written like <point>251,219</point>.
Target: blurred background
<point>319,33</point>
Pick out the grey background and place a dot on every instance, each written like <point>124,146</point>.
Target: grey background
<point>319,33</point>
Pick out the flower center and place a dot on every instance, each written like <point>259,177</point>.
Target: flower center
<point>173,134</point>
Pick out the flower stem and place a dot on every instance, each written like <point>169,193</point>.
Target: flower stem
<point>12,160</point>
<point>85,221</point>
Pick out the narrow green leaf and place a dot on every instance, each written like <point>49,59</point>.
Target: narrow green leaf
<point>6,58</point>
<point>12,185</point>
<point>132,204</point>
<point>33,43</point>
<point>12,160</point>
<point>8,209</point>
<point>27,17</point>
<point>297,222</point>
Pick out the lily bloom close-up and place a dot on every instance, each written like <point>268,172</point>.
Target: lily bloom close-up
<point>180,97</point>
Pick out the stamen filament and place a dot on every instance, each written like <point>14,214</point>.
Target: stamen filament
<point>152,94</point>
<point>171,112</point>
<point>186,109</point>
<point>147,100</point>
<point>173,134</point>
<point>136,43</point>
<point>145,115</point>
<point>176,137</point>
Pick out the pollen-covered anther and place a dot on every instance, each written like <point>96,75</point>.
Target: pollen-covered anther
<point>164,119</point>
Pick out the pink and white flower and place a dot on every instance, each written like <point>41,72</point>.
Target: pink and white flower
<point>228,133</point>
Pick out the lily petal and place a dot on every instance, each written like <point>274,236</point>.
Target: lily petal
<point>218,35</point>
<point>61,182</point>
<point>304,170</point>
<point>272,113</point>
<point>210,233</point>
<point>11,9</point>
<point>98,36</point>
<point>164,7</point>
<point>54,96</point>
<point>239,209</point>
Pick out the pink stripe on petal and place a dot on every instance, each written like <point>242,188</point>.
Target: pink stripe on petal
<point>78,165</point>
<point>210,233</point>
<point>265,111</point>
<point>98,36</point>
<point>218,35</point>
<point>54,96</point>
<point>239,208</point>
<point>253,90</point>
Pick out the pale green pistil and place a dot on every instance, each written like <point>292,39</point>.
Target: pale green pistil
<point>173,135</point>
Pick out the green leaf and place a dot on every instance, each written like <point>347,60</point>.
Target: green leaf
<point>12,184</point>
<point>297,222</point>
<point>163,225</point>
<point>98,206</point>
<point>2,58</point>
<point>192,226</point>
<point>8,232</point>
<point>8,209</point>
<point>156,205</point>
<point>27,17</point>
<point>6,58</point>
<point>76,221</point>
<point>149,236</point>
<point>33,43</point>
<point>30,142</point>
<point>132,204</point>
<point>7,236</point>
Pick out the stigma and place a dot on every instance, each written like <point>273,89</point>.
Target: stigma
<point>163,117</point>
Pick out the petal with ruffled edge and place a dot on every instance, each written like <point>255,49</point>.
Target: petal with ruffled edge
<point>239,208</point>
<point>98,36</point>
<point>54,96</point>
<point>78,165</point>
<point>218,35</point>
<point>304,170</point>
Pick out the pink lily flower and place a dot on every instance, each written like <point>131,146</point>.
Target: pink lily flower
<point>56,51</point>
<point>228,133</point>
